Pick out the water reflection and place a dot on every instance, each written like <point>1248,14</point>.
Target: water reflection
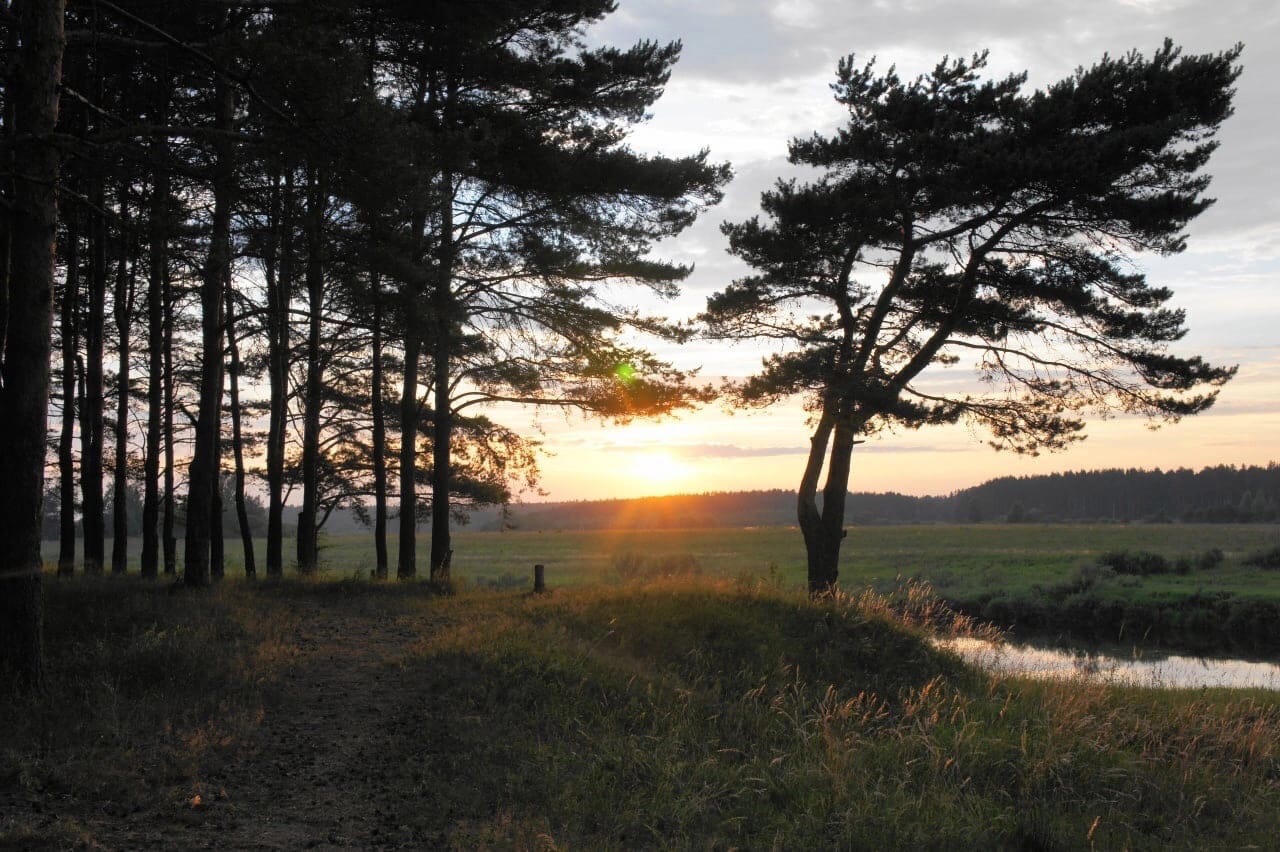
<point>1171,672</point>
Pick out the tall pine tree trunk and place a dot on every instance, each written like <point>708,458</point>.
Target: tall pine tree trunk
<point>91,415</point>
<point>442,435</point>
<point>279,290</point>
<point>442,432</point>
<point>167,536</point>
<point>308,558</point>
<point>407,558</point>
<point>66,440</point>
<point>237,439</point>
<point>7,185</point>
<point>123,308</point>
<point>445,322</point>
<point>156,274</point>
<point>217,514</point>
<point>203,472</point>
<point>24,367</point>
<point>217,531</point>
<point>379,440</point>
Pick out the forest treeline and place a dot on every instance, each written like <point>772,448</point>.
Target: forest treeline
<point>1221,494</point>
<point>317,242</point>
<point>301,245</point>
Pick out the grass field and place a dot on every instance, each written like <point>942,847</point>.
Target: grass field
<point>1039,578</point>
<point>959,560</point>
<point>685,714</point>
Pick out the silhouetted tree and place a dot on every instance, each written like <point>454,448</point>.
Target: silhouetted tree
<point>529,198</point>
<point>957,218</point>
<point>26,316</point>
<point>203,472</point>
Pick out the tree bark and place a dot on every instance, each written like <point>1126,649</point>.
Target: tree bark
<point>442,432</point>
<point>441,468</point>
<point>237,440</point>
<point>24,369</point>
<point>91,415</point>
<point>308,557</point>
<point>167,537</point>
<point>279,294</point>
<point>407,557</point>
<point>7,189</point>
<point>808,515</point>
<point>66,441</point>
<point>823,528</point>
<point>156,275</point>
<point>217,537</point>
<point>379,440</point>
<point>203,471</point>
<point>123,309</point>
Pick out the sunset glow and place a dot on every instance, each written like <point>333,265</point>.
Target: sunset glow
<point>660,471</point>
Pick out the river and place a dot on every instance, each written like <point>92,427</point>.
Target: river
<point>1171,671</point>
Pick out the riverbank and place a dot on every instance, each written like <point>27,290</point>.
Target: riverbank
<point>690,713</point>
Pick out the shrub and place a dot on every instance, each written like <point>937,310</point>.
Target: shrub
<point>1210,559</point>
<point>1084,578</point>
<point>1138,562</point>
<point>1256,624</point>
<point>1267,559</point>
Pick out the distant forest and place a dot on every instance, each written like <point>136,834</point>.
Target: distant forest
<point>1223,494</point>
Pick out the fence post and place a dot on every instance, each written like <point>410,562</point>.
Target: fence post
<point>539,579</point>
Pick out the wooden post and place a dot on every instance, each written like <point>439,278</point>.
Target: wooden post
<point>539,579</point>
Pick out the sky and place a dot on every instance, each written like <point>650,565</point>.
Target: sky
<point>755,73</point>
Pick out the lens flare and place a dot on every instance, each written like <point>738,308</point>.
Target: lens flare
<point>626,373</point>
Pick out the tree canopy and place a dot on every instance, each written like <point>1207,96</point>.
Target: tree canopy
<point>959,219</point>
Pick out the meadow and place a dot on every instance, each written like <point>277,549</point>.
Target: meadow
<point>1044,580</point>
<point>683,713</point>
<point>963,561</point>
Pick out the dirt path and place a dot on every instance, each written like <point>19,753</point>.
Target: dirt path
<point>309,778</point>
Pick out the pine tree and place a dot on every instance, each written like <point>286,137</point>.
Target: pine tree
<point>33,90</point>
<point>957,218</point>
<point>529,199</point>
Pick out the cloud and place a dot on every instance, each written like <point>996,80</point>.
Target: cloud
<point>891,448</point>
<point>693,452</point>
<point>700,451</point>
<point>733,451</point>
<point>754,72</point>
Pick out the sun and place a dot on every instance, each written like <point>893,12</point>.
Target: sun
<point>658,467</point>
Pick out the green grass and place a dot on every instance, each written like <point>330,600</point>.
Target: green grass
<point>1016,575</point>
<point>692,713</point>
<point>966,558</point>
<point>146,685</point>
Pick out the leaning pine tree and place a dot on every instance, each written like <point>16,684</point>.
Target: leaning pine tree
<point>963,220</point>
